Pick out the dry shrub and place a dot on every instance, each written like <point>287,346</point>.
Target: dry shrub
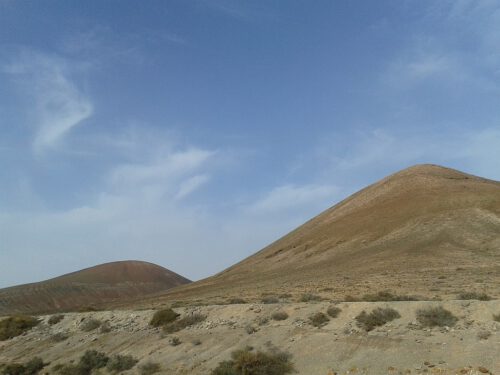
<point>333,311</point>
<point>309,297</point>
<point>163,317</point>
<point>270,299</point>
<point>378,317</point>
<point>386,296</point>
<point>16,325</point>
<point>54,319</point>
<point>59,336</point>
<point>474,296</point>
<point>319,319</point>
<point>436,317</point>
<point>248,362</point>
<point>279,315</point>
<point>237,301</point>
<point>496,317</point>
<point>120,362</point>
<point>31,367</point>
<point>89,324</point>
<point>182,323</point>
<point>149,368</point>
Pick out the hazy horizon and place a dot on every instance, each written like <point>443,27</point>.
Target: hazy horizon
<point>192,134</point>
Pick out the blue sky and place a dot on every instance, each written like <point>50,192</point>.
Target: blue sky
<point>193,133</point>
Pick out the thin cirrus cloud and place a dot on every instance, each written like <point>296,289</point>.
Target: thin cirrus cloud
<point>59,105</point>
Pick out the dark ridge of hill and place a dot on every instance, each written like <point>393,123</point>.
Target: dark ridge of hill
<point>94,287</point>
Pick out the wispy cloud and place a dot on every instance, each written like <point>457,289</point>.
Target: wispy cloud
<point>59,105</point>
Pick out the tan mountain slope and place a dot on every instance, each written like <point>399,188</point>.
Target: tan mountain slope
<point>91,287</point>
<point>426,230</point>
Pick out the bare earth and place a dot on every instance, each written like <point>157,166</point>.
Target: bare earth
<point>340,347</point>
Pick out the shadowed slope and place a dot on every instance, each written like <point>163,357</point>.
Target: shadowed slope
<point>95,286</point>
<point>400,233</point>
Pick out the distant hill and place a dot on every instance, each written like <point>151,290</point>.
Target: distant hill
<point>115,282</point>
<point>425,230</point>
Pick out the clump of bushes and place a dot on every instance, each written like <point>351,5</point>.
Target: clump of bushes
<point>378,317</point>
<point>16,325</point>
<point>474,295</point>
<point>180,324</point>
<point>149,368</point>
<point>436,317</point>
<point>89,361</point>
<point>89,324</point>
<point>279,315</point>
<point>387,296</point>
<point>120,362</point>
<point>319,319</point>
<point>31,367</point>
<point>333,311</point>
<point>309,297</point>
<point>248,362</point>
<point>54,319</point>
<point>163,317</point>
<point>270,299</point>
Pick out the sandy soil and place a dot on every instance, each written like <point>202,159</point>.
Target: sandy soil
<point>340,347</point>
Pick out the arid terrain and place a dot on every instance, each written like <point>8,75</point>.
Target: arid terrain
<point>427,230</point>
<point>402,346</point>
<point>91,287</point>
<point>423,245</point>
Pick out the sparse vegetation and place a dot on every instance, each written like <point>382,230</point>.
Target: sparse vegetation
<point>387,296</point>
<point>31,367</point>
<point>89,324</point>
<point>248,362</point>
<point>54,319</point>
<point>16,325</point>
<point>163,317</point>
<point>333,311</point>
<point>149,368</point>
<point>436,317</point>
<point>309,297</point>
<point>91,360</point>
<point>184,322</point>
<point>378,317</point>
<point>270,299</point>
<point>120,362</point>
<point>279,315</point>
<point>474,296</point>
<point>174,341</point>
<point>319,319</point>
<point>59,336</point>
<point>105,327</point>
<point>237,301</point>
<point>483,335</point>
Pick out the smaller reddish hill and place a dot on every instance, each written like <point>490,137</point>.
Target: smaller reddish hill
<point>116,282</point>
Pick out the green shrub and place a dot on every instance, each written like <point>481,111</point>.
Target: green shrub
<point>319,319</point>
<point>309,297</point>
<point>184,322</point>
<point>474,295</point>
<point>436,316</point>
<point>333,311</point>
<point>16,325</point>
<point>387,296</point>
<point>270,299</point>
<point>54,319</point>
<point>120,362</point>
<point>92,359</point>
<point>31,367</point>
<point>378,317</point>
<point>279,315</point>
<point>247,362</point>
<point>163,317</point>
<point>149,368</point>
<point>89,324</point>
<point>496,317</point>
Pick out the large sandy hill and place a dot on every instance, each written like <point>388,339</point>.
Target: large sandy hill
<point>426,230</point>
